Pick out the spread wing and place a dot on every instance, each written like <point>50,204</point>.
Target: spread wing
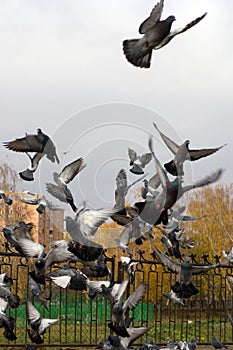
<point>168,142</point>
<point>153,18</point>
<point>71,170</point>
<point>170,36</point>
<point>32,313</point>
<point>28,143</point>
<point>195,154</point>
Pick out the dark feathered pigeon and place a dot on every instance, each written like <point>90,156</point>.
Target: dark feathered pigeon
<point>6,199</point>
<point>34,143</point>
<point>38,325</point>
<point>182,153</point>
<point>192,344</point>
<point>157,34</point>
<point>217,344</point>
<point>68,173</point>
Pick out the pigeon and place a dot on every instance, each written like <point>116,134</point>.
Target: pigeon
<point>138,163</point>
<point>27,174</point>
<point>228,256</point>
<point>39,142</point>
<point>13,299</point>
<point>121,343</point>
<point>157,33</point>
<point>122,216</point>
<point>182,153</point>
<point>42,203</point>
<point>128,267</point>
<point>5,198</point>
<point>183,288</point>
<point>217,345</point>
<point>110,291</point>
<point>68,173</point>
<point>89,220</point>
<point>37,292</point>
<point>5,280</point>
<point>81,246</point>
<point>38,325</point>
<point>119,310</point>
<point>7,322</point>
<point>192,344</point>
<point>67,278</point>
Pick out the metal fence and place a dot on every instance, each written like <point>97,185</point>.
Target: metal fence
<point>84,322</point>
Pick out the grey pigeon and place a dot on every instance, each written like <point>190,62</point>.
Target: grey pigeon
<point>5,198</point>
<point>41,203</point>
<point>68,173</point>
<point>67,278</point>
<point>137,162</point>
<point>182,153</point>
<point>39,142</point>
<point>27,174</point>
<point>119,310</point>
<point>157,34</point>
<point>121,343</point>
<point>80,245</point>
<point>192,344</point>
<point>217,344</point>
<point>7,322</point>
<point>183,288</point>
<point>38,325</point>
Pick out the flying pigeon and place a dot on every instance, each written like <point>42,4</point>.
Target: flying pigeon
<point>38,325</point>
<point>183,288</point>
<point>157,34</point>
<point>67,278</point>
<point>42,203</point>
<point>137,162</point>
<point>121,343</point>
<point>68,173</point>
<point>80,245</point>
<point>6,199</point>
<point>39,142</point>
<point>119,311</point>
<point>182,153</point>
<point>7,322</point>
<point>27,174</point>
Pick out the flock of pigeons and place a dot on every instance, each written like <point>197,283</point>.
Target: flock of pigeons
<point>155,209</point>
<point>159,194</point>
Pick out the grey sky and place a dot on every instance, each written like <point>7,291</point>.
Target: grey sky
<point>62,57</point>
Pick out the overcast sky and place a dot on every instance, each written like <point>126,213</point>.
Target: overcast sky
<point>62,69</point>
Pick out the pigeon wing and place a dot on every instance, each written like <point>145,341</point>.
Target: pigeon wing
<point>168,142</point>
<point>170,36</point>
<point>90,220</point>
<point>153,18</point>
<point>134,333</point>
<point>61,281</point>
<point>58,254</point>
<point>33,314</point>
<point>56,192</point>
<point>46,323</point>
<point>71,170</point>
<point>205,181</point>
<point>30,249</point>
<point>25,144</point>
<point>132,155</point>
<point>134,298</point>
<point>196,154</point>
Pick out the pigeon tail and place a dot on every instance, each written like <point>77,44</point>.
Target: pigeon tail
<point>135,54</point>
<point>26,175</point>
<point>184,290</point>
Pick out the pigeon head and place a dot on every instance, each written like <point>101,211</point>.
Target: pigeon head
<point>171,19</point>
<point>39,263</point>
<point>39,131</point>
